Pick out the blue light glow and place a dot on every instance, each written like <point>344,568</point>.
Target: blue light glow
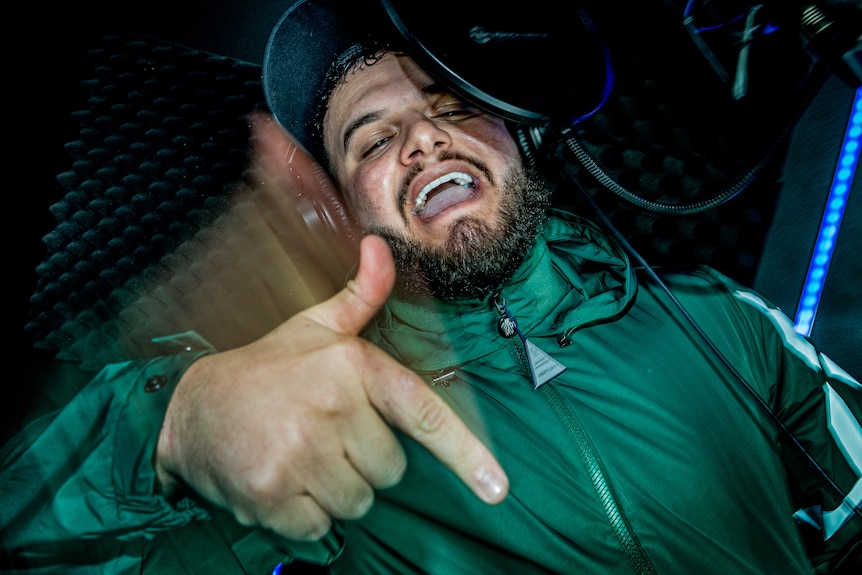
<point>848,158</point>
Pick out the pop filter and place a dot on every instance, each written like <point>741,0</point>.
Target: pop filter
<point>538,66</point>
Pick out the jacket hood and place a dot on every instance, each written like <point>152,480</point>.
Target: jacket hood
<point>575,275</point>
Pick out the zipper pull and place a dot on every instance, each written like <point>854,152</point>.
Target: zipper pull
<point>444,378</point>
<point>543,367</point>
<point>506,325</point>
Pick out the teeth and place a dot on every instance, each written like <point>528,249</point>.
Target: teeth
<point>459,178</point>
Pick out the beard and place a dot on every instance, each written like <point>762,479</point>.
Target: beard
<point>479,255</point>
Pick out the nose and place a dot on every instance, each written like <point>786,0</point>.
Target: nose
<point>423,137</point>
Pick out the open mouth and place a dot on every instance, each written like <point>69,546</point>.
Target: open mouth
<point>442,193</point>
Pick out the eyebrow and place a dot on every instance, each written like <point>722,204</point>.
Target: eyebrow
<point>432,89</point>
<point>362,121</point>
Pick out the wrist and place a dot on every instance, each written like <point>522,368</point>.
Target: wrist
<point>165,457</point>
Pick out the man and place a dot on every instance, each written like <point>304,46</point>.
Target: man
<point>521,399</point>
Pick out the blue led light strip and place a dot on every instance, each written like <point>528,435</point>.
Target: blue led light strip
<point>848,158</point>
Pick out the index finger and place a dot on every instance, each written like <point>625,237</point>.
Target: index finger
<point>410,405</point>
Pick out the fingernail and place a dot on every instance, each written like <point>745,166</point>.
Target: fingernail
<point>492,486</point>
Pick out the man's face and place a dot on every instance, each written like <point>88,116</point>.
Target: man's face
<point>440,179</point>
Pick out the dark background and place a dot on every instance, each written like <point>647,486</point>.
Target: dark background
<point>42,86</point>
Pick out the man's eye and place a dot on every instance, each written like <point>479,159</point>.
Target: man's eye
<point>376,146</point>
<point>456,111</point>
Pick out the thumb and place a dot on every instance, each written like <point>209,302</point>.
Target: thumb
<point>350,310</point>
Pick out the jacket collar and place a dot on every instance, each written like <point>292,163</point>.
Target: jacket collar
<point>574,276</point>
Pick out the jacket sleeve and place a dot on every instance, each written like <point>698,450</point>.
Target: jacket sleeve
<point>78,489</point>
<point>85,472</point>
<point>820,406</point>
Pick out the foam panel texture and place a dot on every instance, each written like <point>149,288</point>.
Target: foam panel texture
<point>163,137</point>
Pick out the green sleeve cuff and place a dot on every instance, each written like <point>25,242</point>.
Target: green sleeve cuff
<point>137,427</point>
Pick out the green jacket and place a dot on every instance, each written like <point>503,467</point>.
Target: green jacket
<point>645,455</point>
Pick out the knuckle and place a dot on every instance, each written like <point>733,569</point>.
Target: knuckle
<point>414,408</point>
<point>350,348</point>
<point>312,530</point>
<point>304,528</point>
<point>431,416</point>
<point>358,505</point>
<point>393,471</point>
<point>364,357</point>
<point>264,487</point>
<point>330,402</point>
<point>298,518</point>
<point>244,517</point>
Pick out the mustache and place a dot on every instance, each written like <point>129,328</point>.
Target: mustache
<point>418,167</point>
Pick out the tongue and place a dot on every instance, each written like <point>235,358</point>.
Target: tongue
<point>444,197</point>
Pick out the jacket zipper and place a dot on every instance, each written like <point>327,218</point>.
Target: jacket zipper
<point>628,541</point>
<point>626,537</point>
<point>578,436</point>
